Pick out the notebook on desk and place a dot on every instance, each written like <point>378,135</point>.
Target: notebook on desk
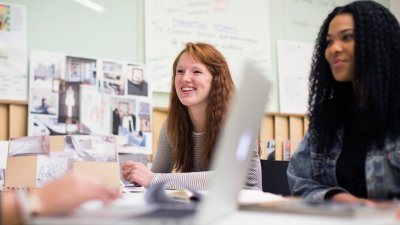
<point>230,165</point>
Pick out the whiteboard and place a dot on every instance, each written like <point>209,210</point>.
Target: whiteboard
<point>13,53</point>
<point>294,64</point>
<point>225,24</point>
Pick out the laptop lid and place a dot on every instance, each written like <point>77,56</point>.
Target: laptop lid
<point>233,151</point>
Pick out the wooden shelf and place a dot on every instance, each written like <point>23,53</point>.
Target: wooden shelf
<point>277,126</point>
<point>14,102</point>
<point>13,119</point>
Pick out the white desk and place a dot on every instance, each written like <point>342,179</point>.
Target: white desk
<point>134,202</point>
<point>264,218</point>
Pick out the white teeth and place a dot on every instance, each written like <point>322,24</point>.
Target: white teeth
<point>187,89</point>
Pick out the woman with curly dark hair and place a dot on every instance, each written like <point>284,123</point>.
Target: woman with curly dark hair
<point>201,91</point>
<point>351,152</point>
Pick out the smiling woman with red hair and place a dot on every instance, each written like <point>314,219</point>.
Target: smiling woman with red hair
<point>201,91</point>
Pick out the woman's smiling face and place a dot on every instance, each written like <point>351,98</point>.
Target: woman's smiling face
<point>192,81</point>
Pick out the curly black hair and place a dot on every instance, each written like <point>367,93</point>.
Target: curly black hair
<point>376,83</point>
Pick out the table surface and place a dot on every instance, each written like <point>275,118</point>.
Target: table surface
<point>135,201</point>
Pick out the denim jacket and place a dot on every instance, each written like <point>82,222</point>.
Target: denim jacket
<point>311,174</point>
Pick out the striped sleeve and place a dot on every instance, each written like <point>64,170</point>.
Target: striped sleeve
<point>195,180</point>
<point>254,180</point>
<point>201,180</point>
<point>198,179</point>
<point>163,159</point>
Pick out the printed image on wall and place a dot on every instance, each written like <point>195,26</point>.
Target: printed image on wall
<point>136,80</point>
<point>113,78</point>
<point>29,145</point>
<point>123,116</point>
<point>79,95</point>
<point>94,109</point>
<point>91,148</point>
<point>82,70</point>
<point>4,17</point>
<point>131,122</point>
<point>13,52</point>
<point>43,102</point>
<point>46,68</point>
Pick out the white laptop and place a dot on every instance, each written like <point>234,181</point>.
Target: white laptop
<point>230,166</point>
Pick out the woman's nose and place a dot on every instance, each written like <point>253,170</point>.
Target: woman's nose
<point>187,76</point>
<point>336,47</point>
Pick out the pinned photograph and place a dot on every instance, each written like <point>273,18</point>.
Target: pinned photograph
<point>37,127</point>
<point>91,148</point>
<point>81,70</point>
<point>113,78</point>
<point>139,139</point>
<point>42,101</point>
<point>46,68</point>
<point>69,102</point>
<point>123,115</point>
<point>144,116</point>
<point>29,145</point>
<point>95,110</point>
<point>5,18</point>
<point>136,80</point>
<point>74,95</point>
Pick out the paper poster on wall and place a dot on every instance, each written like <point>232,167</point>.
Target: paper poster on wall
<point>294,64</point>
<point>307,16</point>
<point>13,52</point>
<point>169,25</point>
<point>82,95</point>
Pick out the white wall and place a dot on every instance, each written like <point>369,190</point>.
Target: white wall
<point>395,8</point>
<point>66,26</point>
<point>118,33</point>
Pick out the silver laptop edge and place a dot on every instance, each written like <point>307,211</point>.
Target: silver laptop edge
<point>239,135</point>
